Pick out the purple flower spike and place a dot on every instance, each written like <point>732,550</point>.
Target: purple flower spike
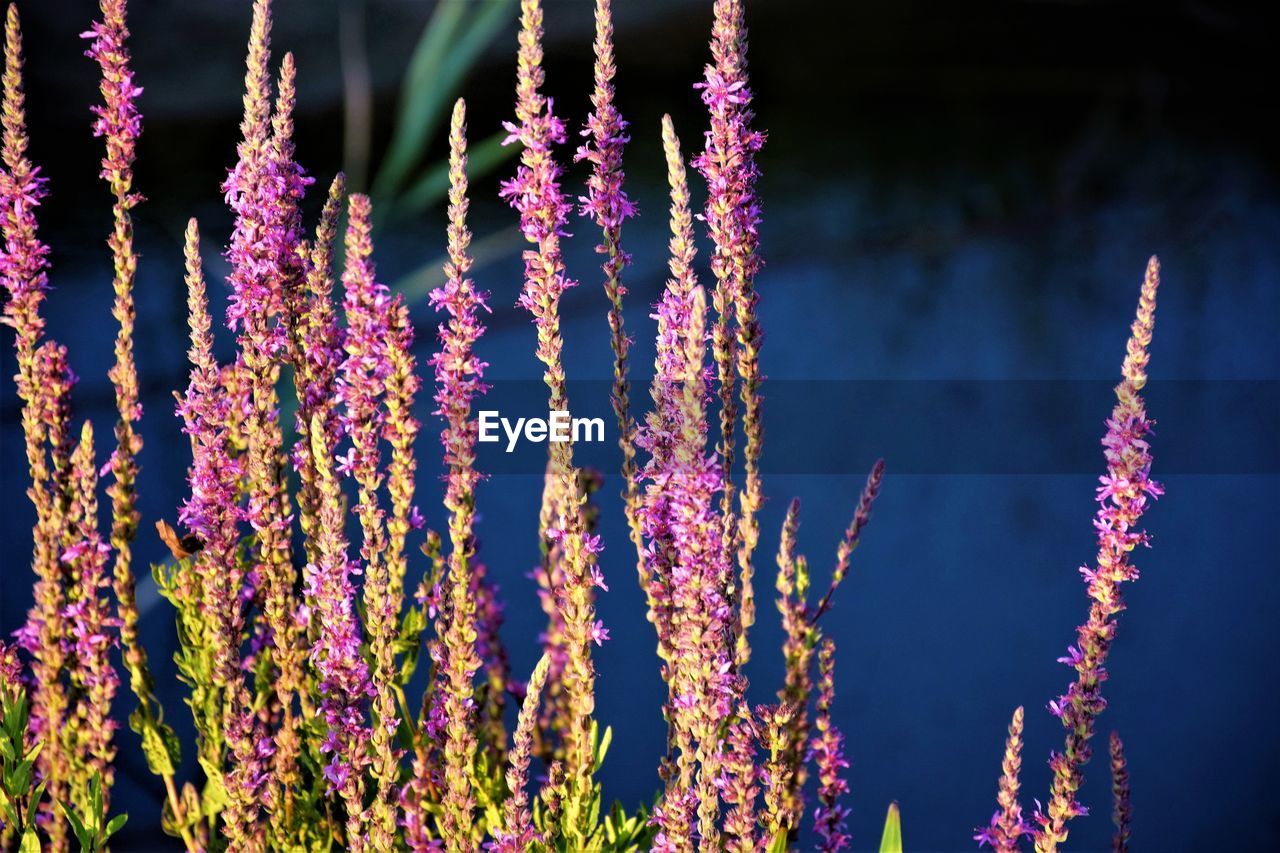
<point>1123,497</point>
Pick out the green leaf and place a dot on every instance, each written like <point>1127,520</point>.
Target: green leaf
<point>593,808</point>
<point>891,840</point>
<point>114,826</point>
<point>214,797</point>
<point>7,812</point>
<point>95,795</point>
<point>412,119</point>
<point>20,777</point>
<point>446,51</point>
<point>482,158</point>
<point>33,805</point>
<point>30,841</point>
<point>77,825</point>
<point>602,748</point>
<point>162,753</point>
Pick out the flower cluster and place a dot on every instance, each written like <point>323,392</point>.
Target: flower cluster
<point>296,540</point>
<point>459,372</point>
<point>73,627</point>
<point>827,750</point>
<point>732,214</point>
<point>607,203</point>
<point>1122,814</point>
<point>1007,824</point>
<point>1123,497</point>
<point>568,570</point>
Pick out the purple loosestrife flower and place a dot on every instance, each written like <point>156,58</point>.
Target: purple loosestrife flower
<point>254,290</point>
<point>674,819</point>
<point>1123,496</point>
<point>679,519</point>
<point>11,672</point>
<point>556,714</point>
<point>370,312</point>
<point>120,124</point>
<point>400,432</point>
<point>211,511</point>
<point>425,780</point>
<point>775,774</point>
<point>422,790</point>
<point>1122,813</point>
<point>493,656</point>
<point>317,343</point>
<point>41,376</point>
<point>41,636</point>
<point>365,368</point>
<point>88,729</point>
<point>738,786</point>
<point>827,749</point>
<point>264,189</point>
<point>517,833</point>
<point>336,655</point>
<point>732,215</point>
<point>458,380</point>
<point>683,281</point>
<point>260,190</point>
<point>852,535</point>
<point>1007,824</point>
<point>286,184</point>
<point>792,584</point>
<point>209,411</point>
<point>553,715</point>
<point>607,204</point>
<point>535,192</point>
<point>24,259</point>
<point>800,624</point>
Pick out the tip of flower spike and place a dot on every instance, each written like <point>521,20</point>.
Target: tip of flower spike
<point>14,121</point>
<point>257,94</point>
<point>670,142</point>
<point>13,31</point>
<point>1136,357</point>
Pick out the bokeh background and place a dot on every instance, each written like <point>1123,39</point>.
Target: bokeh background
<point>952,192</point>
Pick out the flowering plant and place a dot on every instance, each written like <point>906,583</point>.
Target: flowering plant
<point>299,634</point>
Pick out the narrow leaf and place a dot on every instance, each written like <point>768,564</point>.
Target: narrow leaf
<point>891,840</point>
<point>482,158</point>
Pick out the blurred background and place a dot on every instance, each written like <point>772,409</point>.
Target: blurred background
<point>959,202</point>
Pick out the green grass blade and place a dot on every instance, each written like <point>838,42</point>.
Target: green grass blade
<point>411,124</point>
<point>482,158</point>
<point>419,284</point>
<point>891,840</point>
<point>449,48</point>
